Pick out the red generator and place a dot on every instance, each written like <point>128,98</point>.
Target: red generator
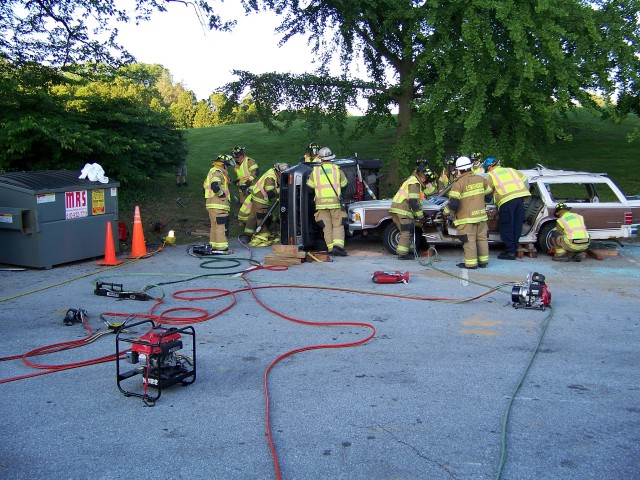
<point>162,357</point>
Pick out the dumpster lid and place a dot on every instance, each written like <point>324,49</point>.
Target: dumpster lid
<point>49,180</point>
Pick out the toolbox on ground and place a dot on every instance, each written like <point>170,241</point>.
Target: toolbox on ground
<point>52,217</point>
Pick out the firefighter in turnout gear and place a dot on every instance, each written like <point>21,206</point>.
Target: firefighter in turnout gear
<point>216,194</point>
<point>509,191</point>
<point>448,172</point>
<point>468,197</point>
<point>327,180</point>
<point>311,154</point>
<point>476,160</point>
<point>247,172</point>
<point>406,207</point>
<point>569,236</point>
<point>264,193</point>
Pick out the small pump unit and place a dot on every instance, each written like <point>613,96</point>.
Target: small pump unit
<point>532,293</point>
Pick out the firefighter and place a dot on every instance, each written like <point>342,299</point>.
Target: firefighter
<point>247,172</point>
<point>264,194</point>
<point>311,154</point>
<point>448,172</point>
<point>569,236</point>
<point>216,194</point>
<point>327,180</point>
<point>510,188</point>
<point>406,207</point>
<point>476,159</point>
<point>468,197</point>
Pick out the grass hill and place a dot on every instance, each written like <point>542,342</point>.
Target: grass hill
<point>597,146</point>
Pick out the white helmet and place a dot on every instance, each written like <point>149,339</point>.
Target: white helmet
<point>280,167</point>
<point>463,163</point>
<point>325,154</point>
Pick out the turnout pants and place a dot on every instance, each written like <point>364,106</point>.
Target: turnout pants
<point>474,243</point>
<point>257,215</point>
<point>218,234</point>
<point>332,221</point>
<point>407,232</point>
<point>564,245</point>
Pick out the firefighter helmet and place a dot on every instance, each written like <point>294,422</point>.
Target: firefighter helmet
<point>237,151</point>
<point>561,206</point>
<point>463,163</point>
<point>224,159</point>
<point>326,154</point>
<point>280,167</point>
<point>490,162</point>
<point>475,156</point>
<point>423,168</point>
<point>312,148</point>
<point>450,159</point>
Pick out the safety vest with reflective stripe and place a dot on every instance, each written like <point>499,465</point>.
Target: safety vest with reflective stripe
<point>219,200</point>
<point>245,209</point>
<point>410,189</point>
<point>507,184</point>
<point>267,183</point>
<point>245,171</point>
<point>327,179</point>
<point>572,225</point>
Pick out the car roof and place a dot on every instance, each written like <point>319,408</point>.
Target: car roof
<point>549,174</point>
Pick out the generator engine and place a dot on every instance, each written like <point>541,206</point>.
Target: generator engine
<point>532,293</point>
<point>159,358</point>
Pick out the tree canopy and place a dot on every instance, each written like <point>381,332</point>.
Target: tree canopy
<point>484,75</point>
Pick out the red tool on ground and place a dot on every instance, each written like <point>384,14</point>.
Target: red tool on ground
<point>390,277</point>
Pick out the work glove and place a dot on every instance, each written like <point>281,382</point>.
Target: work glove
<point>555,234</point>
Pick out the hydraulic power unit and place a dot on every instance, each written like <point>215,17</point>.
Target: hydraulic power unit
<point>297,206</point>
<point>162,357</point>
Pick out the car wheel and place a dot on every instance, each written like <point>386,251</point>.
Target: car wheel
<point>390,237</point>
<point>544,237</point>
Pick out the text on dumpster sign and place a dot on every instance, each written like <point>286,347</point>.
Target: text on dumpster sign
<point>76,205</point>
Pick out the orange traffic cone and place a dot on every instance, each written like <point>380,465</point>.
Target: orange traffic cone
<point>138,247</point>
<point>109,249</point>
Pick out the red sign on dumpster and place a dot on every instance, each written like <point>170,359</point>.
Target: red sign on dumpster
<point>76,205</point>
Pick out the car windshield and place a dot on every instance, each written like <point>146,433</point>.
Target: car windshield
<point>581,192</point>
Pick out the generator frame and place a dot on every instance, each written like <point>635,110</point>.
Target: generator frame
<point>154,377</point>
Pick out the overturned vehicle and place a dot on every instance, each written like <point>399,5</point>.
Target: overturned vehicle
<point>607,212</point>
<point>297,206</point>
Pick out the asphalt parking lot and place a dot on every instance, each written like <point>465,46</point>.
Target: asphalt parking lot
<point>445,388</point>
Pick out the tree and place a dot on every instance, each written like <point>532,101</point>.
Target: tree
<point>53,121</point>
<point>482,74</point>
<point>66,32</point>
<point>184,109</point>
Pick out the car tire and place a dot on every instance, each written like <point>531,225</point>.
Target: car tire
<point>391,237</point>
<point>544,237</point>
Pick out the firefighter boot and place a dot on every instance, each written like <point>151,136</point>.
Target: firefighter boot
<point>563,257</point>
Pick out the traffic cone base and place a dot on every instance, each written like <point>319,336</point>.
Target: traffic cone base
<point>109,250</point>
<point>138,247</point>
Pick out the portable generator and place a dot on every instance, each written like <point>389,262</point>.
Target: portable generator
<point>159,359</point>
<point>532,293</point>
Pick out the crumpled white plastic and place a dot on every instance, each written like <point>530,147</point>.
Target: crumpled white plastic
<point>94,172</point>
